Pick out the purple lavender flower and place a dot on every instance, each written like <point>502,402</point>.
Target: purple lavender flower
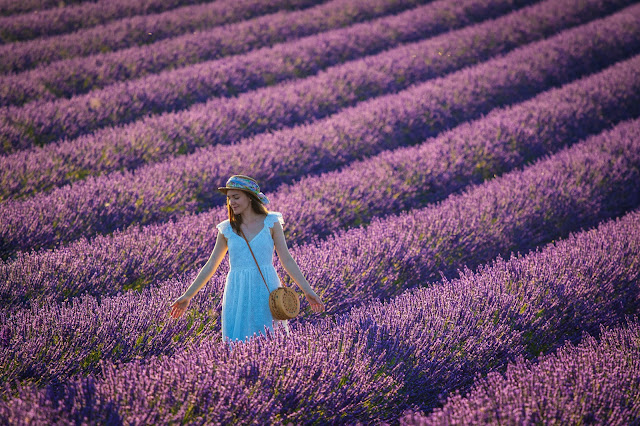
<point>593,382</point>
<point>391,181</point>
<point>135,30</point>
<point>169,190</point>
<point>575,188</point>
<point>375,362</point>
<point>43,121</point>
<point>74,75</point>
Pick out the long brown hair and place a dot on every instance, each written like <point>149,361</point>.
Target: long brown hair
<point>256,206</point>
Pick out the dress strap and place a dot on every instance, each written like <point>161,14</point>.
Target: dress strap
<point>256,260</point>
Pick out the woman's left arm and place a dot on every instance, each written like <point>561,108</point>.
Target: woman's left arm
<point>292,268</point>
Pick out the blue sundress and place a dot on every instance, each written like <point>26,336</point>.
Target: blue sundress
<point>245,300</point>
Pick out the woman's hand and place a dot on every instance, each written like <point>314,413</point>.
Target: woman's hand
<point>314,301</point>
<point>179,306</point>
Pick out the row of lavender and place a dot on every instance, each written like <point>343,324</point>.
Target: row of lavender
<point>388,182</point>
<point>91,359</point>
<point>112,149</point>
<point>578,187</point>
<point>136,33</point>
<point>68,77</point>
<point>187,184</point>
<point>60,20</point>
<point>595,382</point>
<point>398,381</point>
<point>12,7</point>
<point>41,122</point>
<point>376,361</point>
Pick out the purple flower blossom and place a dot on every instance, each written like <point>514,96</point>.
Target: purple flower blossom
<point>386,183</point>
<point>184,185</point>
<point>168,190</point>
<point>400,211</point>
<point>594,382</point>
<point>575,188</point>
<point>378,360</point>
<point>60,20</point>
<point>66,77</point>
<point>40,122</point>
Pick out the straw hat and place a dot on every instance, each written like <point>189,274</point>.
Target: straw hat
<point>244,183</point>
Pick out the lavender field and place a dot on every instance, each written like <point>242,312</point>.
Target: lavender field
<point>459,181</point>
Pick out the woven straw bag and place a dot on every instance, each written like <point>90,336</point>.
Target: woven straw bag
<point>283,301</point>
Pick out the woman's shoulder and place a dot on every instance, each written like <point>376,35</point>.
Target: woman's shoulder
<point>272,218</point>
<point>225,227</point>
<point>224,223</point>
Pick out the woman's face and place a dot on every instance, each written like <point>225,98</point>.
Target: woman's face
<point>238,200</point>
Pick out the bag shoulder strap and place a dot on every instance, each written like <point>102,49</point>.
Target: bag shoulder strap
<point>254,258</point>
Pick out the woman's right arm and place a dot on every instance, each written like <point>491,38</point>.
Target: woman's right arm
<point>206,272</point>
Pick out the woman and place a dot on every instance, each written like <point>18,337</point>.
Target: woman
<point>245,305</point>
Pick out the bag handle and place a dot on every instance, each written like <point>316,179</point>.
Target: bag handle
<point>254,258</point>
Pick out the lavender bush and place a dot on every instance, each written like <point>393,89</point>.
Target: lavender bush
<point>72,18</point>
<point>187,184</point>
<point>65,78</point>
<point>594,382</point>
<point>11,7</point>
<point>40,122</point>
<point>578,187</point>
<point>376,361</point>
<point>388,182</point>
<point>137,32</point>
<point>399,210</point>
